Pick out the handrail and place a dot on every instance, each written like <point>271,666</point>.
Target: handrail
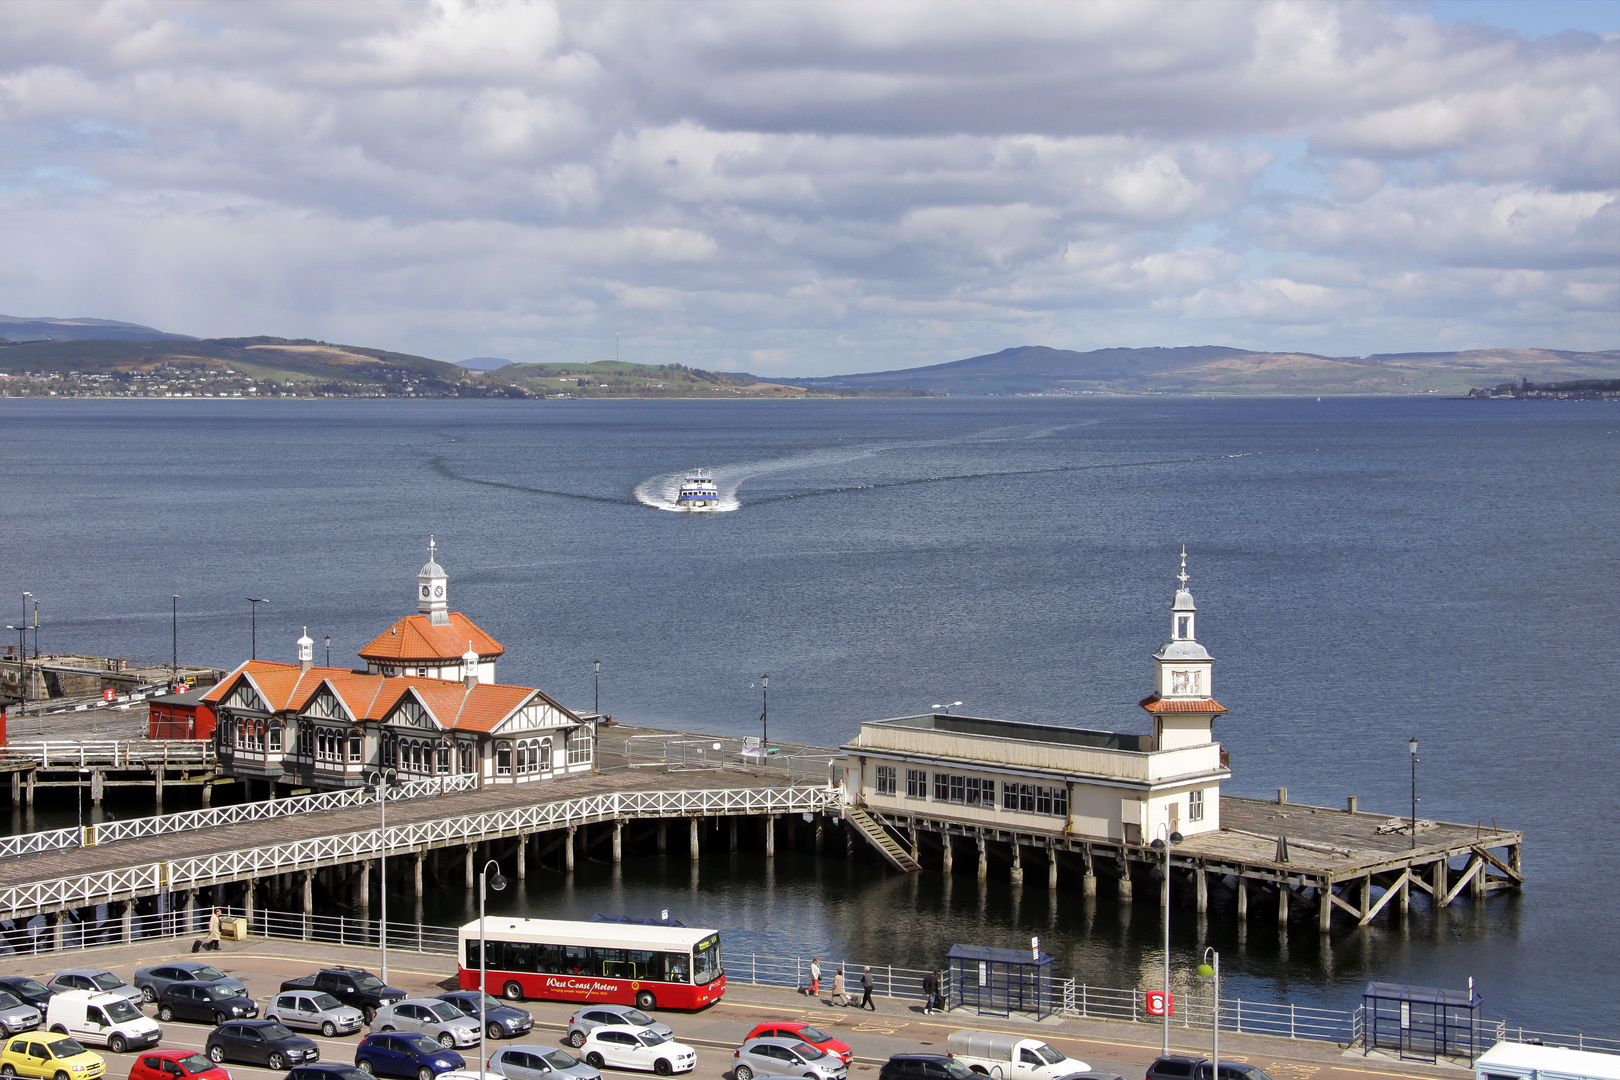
<point>114,752</point>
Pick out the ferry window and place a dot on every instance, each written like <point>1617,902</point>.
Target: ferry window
<point>916,784</point>
<point>942,787</point>
<point>1195,806</point>
<point>958,789</point>
<point>885,779</point>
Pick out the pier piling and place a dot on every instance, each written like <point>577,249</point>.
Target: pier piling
<point>770,836</point>
<point>693,822</point>
<point>568,847</point>
<point>618,842</point>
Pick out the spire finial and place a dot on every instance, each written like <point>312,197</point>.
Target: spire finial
<point>433,549</point>
<point>1182,577</point>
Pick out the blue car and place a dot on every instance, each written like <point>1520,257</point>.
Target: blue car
<point>405,1054</point>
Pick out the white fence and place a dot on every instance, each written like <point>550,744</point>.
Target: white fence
<point>348,847</point>
<point>111,753</point>
<point>163,824</point>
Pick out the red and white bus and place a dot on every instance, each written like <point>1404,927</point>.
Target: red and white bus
<point>670,967</point>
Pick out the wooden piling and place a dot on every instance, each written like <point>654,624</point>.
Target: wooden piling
<point>693,838</point>
<point>1051,867</point>
<point>1201,890</point>
<point>663,836</point>
<point>1324,909</point>
<point>1242,898</point>
<point>618,842</point>
<point>1283,893</point>
<point>984,859</point>
<point>733,824</point>
<point>945,856</point>
<point>522,857</point>
<point>1018,863</point>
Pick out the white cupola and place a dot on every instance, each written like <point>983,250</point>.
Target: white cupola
<point>1183,669</point>
<point>469,666</point>
<point>432,587</point>
<point>306,651</point>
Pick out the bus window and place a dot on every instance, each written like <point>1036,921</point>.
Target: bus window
<point>576,959</point>
<point>549,960</point>
<point>706,960</point>
<point>675,967</point>
<point>519,956</point>
<point>495,958</point>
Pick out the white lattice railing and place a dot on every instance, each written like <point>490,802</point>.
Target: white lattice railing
<point>213,869</point>
<point>111,753</point>
<point>163,824</point>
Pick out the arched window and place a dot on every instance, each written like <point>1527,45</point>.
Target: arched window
<point>503,759</point>
<point>356,745</point>
<point>274,736</point>
<point>464,757</point>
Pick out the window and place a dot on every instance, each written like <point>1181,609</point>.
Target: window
<point>958,789</point>
<point>916,784</point>
<point>533,756</point>
<point>885,780</point>
<point>274,734</point>
<point>503,759</point>
<point>356,745</point>
<point>1183,623</point>
<point>306,740</point>
<point>579,746</point>
<point>464,757</point>
<point>942,787</point>
<point>1195,806</point>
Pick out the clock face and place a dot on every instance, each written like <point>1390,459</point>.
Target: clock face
<point>424,592</point>
<point>438,591</point>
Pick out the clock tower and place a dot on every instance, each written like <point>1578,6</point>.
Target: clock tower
<point>431,589</point>
<point>1183,703</point>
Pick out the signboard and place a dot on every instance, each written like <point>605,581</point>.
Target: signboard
<point>1154,1003</point>
<point>107,694</point>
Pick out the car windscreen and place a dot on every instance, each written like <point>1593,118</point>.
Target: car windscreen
<point>207,974</point>
<point>30,986</point>
<point>706,960</point>
<point>445,1011</point>
<point>559,1060</point>
<point>195,1063</point>
<point>806,1051</point>
<point>651,1037</point>
<point>7,1001</point>
<point>107,981</point>
<point>1047,1054</point>
<point>422,1044</point>
<point>368,983</point>
<point>325,1001</point>
<point>218,993</point>
<point>275,1031</point>
<point>66,1048</point>
<point>636,1016</point>
<point>121,1012</point>
<point>811,1033</point>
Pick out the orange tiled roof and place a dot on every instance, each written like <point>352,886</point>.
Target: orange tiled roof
<point>414,639</point>
<point>1155,704</point>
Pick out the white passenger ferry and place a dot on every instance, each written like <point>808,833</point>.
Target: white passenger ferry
<point>698,492</point>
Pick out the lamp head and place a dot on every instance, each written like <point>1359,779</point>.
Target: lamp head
<point>764,680</point>
<point>1176,838</point>
<point>1411,745</point>
<point>1157,845</point>
<point>1205,971</point>
<point>497,882</point>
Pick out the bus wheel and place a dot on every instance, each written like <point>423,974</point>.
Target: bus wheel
<point>512,991</point>
<point>645,1000</point>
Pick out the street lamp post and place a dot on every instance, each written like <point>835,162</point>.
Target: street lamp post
<point>328,650</point>
<point>1211,969</point>
<point>1168,839</point>
<point>36,628</point>
<point>596,672</point>
<point>174,637</point>
<point>948,706</point>
<point>254,607</point>
<point>383,781</point>
<point>764,714</point>
<point>22,661</point>
<point>485,883</point>
<point>1411,745</point>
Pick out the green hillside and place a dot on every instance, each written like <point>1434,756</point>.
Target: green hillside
<point>613,378</point>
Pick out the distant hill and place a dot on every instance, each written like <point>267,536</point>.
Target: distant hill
<point>484,363</point>
<point>1216,369</point>
<point>613,378</point>
<point>13,328</point>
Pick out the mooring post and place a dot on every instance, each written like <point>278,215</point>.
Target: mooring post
<point>28,793</point>
<point>618,842</point>
<point>208,794</point>
<point>770,836</point>
<point>522,857</point>
<point>1283,893</point>
<point>945,852</point>
<point>1051,866</point>
<point>1201,890</point>
<point>984,858</point>
<point>568,849</point>
<point>1243,897</point>
<point>733,822</point>
<point>693,837</point>
<point>1324,908</point>
<point>663,836</point>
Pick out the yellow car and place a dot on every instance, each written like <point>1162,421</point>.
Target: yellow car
<point>49,1057</point>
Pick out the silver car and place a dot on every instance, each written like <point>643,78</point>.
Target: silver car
<point>591,1017</point>
<point>786,1057</point>
<point>16,1016</point>
<point>97,981</point>
<point>529,1062</point>
<point>150,981</point>
<point>313,1010</point>
<point>432,1017</point>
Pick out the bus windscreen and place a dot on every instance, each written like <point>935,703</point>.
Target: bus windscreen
<point>706,960</point>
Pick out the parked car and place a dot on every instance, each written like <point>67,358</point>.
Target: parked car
<point>1231,1070</point>
<point>586,1020</point>
<point>352,986</point>
<point>151,980</point>
<point>627,1047</point>
<point>1093,1074</point>
<point>260,1042</point>
<point>406,1054</point>
<point>17,1016</point>
<point>101,1020</point>
<point>502,1021</point>
<point>313,1010</point>
<point>431,1017</point>
<point>49,1056</point>
<point>1182,1067</point>
<point>205,1003</point>
<point>327,1070</point>
<point>30,991</point>
<point>1016,1057</point>
<point>530,1062</point>
<point>924,1067</point>
<point>794,1029</point>
<point>97,981</point>
<point>785,1057</point>
<point>175,1065</point>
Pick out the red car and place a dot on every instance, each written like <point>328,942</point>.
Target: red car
<point>175,1065</point>
<point>793,1029</point>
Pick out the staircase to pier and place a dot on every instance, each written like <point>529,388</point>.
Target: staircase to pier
<point>880,838</point>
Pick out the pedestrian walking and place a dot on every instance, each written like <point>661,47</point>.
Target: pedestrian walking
<point>866,989</point>
<point>815,977</point>
<point>839,995</point>
<point>930,987</point>
<point>210,940</point>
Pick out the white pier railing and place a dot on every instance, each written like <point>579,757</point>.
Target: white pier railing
<point>109,832</point>
<point>213,869</point>
<point>110,753</point>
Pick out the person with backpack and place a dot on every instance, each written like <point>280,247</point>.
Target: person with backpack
<point>930,987</point>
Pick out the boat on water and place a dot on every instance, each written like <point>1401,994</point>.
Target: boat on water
<point>698,492</point>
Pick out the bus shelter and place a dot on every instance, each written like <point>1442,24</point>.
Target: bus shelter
<point>1000,982</point>
<point>1420,1023</point>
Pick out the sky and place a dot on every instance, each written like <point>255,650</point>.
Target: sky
<point>817,188</point>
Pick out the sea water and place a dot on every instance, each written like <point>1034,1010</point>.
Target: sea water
<point>1366,570</point>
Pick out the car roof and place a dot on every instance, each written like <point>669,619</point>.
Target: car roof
<point>776,1040</point>
<point>1180,1057</point>
<point>83,971</point>
<point>634,1029</point>
<point>921,1057</point>
<point>327,1066</point>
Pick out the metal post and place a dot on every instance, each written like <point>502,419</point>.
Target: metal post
<point>483,960</point>
<point>174,638</point>
<point>764,714</point>
<point>1412,746</point>
<point>1165,843</point>
<point>383,779</point>
<point>253,606</point>
<point>596,673</point>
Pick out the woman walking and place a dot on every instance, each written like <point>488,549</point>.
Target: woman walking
<point>839,995</point>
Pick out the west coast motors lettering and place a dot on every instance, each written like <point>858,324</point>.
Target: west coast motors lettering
<point>581,986</point>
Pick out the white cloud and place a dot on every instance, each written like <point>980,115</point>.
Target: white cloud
<point>821,184</point>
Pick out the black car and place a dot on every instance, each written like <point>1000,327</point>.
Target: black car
<point>204,1002</point>
<point>1231,1070</point>
<point>1093,1075</point>
<point>260,1042</point>
<point>1174,1067</point>
<point>329,1070</point>
<point>501,1021</point>
<point>924,1067</point>
<point>31,991</point>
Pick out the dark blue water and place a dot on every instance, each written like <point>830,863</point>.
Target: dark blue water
<point>1366,570</point>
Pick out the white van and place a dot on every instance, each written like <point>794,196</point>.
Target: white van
<point>1527,1061</point>
<point>101,1019</point>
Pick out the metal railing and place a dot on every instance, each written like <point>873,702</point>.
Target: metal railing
<point>213,869</point>
<point>111,753</point>
<point>689,753</point>
<point>108,832</point>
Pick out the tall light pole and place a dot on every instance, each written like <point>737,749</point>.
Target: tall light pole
<point>485,883</point>
<point>174,637</point>
<point>1211,969</point>
<point>764,714</point>
<point>1164,843</point>
<point>254,607</point>
<point>328,650</point>
<point>383,781</point>
<point>22,660</point>
<point>1411,745</point>
<point>36,628</point>
<point>596,666</point>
